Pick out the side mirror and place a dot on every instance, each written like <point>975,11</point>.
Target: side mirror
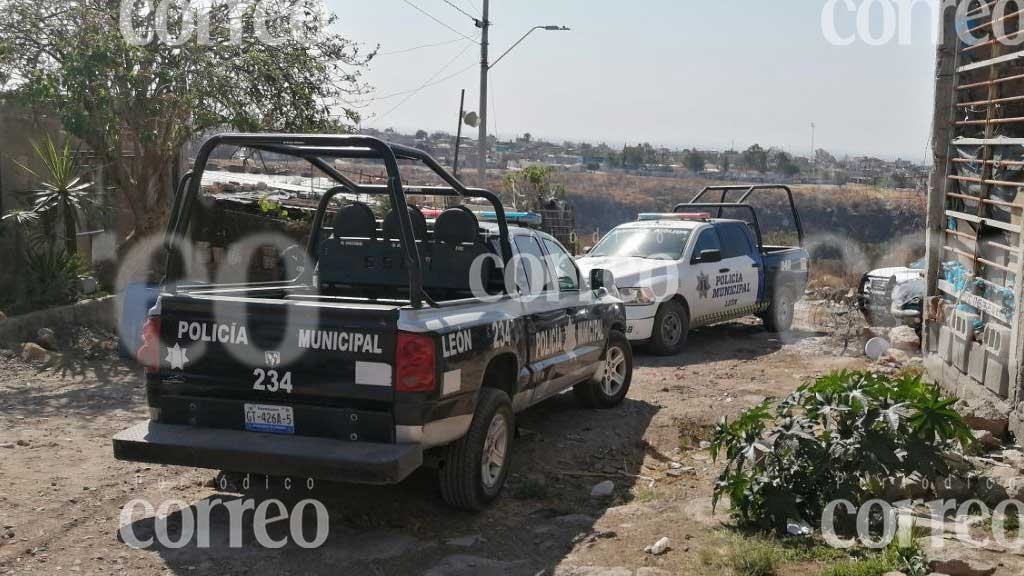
<point>601,279</point>
<point>710,256</point>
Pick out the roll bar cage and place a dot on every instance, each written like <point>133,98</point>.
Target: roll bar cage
<point>315,148</point>
<point>741,203</point>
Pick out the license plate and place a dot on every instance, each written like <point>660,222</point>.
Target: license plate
<point>266,418</point>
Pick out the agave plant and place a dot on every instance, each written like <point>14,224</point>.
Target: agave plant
<point>62,194</point>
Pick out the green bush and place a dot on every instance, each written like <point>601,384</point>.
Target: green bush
<point>50,278</point>
<point>846,436</point>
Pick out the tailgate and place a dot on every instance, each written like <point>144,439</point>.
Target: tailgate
<point>277,366</point>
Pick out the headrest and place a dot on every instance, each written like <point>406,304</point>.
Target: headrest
<point>392,229</point>
<point>355,221</point>
<point>457,225</point>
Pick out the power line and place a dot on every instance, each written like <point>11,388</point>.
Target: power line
<point>467,14</point>
<point>430,82</point>
<point>435,19</point>
<point>434,45</point>
<point>411,90</point>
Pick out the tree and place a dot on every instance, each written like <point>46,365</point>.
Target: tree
<point>695,161</point>
<point>756,158</point>
<point>784,164</point>
<point>422,135</point>
<point>530,188</point>
<point>726,163</point>
<point>136,87</point>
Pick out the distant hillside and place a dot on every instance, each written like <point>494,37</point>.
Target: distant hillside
<point>864,226</point>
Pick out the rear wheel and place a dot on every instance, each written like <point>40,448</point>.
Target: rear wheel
<point>779,317</point>
<point>671,328</point>
<point>475,467</point>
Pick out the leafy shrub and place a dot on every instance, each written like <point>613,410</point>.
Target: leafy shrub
<point>846,436</point>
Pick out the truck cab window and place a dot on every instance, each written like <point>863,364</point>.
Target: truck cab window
<point>564,267</point>
<point>708,240</point>
<point>735,240</point>
<point>533,262</point>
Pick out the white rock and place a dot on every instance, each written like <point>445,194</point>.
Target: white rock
<point>905,338</point>
<point>603,490</point>
<point>659,547</point>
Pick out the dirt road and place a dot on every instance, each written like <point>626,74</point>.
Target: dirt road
<point>62,493</point>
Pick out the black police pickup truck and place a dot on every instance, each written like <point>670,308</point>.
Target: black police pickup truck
<point>398,342</point>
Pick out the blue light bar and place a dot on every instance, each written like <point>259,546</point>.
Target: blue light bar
<point>524,218</point>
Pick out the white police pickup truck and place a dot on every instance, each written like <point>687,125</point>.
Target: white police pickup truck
<point>685,269</point>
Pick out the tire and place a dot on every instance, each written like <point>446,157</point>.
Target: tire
<point>779,317</point>
<point>463,481</point>
<point>671,329</point>
<point>608,388</point>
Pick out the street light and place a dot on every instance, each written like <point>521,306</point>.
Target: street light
<point>485,67</point>
<point>520,41</point>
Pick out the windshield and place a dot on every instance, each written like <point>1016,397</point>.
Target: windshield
<point>653,244</point>
<point>919,265</point>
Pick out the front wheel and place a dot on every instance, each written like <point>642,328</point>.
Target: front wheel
<point>781,311</point>
<point>476,466</point>
<point>671,328</point>
<point>609,386</point>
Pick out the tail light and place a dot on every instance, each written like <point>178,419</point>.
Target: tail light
<point>415,363</point>
<point>149,354</point>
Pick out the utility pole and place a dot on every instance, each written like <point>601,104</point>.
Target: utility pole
<point>485,26</point>
<point>458,133</point>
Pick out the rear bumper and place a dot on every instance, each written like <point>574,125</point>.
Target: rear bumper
<point>269,454</point>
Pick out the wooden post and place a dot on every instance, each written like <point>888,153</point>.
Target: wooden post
<point>946,58</point>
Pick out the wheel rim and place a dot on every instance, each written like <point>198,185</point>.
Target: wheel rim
<point>614,372</point>
<point>671,329</point>
<point>495,450</point>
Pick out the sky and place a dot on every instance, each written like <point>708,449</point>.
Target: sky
<point>681,73</point>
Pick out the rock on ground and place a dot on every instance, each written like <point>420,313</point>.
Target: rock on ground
<point>905,338</point>
<point>659,547</point>
<point>603,490</point>
<point>47,339</point>
<point>987,440</point>
<point>34,353</point>
<point>982,413</point>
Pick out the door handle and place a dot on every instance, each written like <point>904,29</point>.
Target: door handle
<point>724,271</point>
<point>755,265</point>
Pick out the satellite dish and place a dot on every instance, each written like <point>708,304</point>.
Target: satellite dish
<point>471,119</point>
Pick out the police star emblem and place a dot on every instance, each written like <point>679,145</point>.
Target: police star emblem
<point>177,357</point>
<point>703,285</point>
